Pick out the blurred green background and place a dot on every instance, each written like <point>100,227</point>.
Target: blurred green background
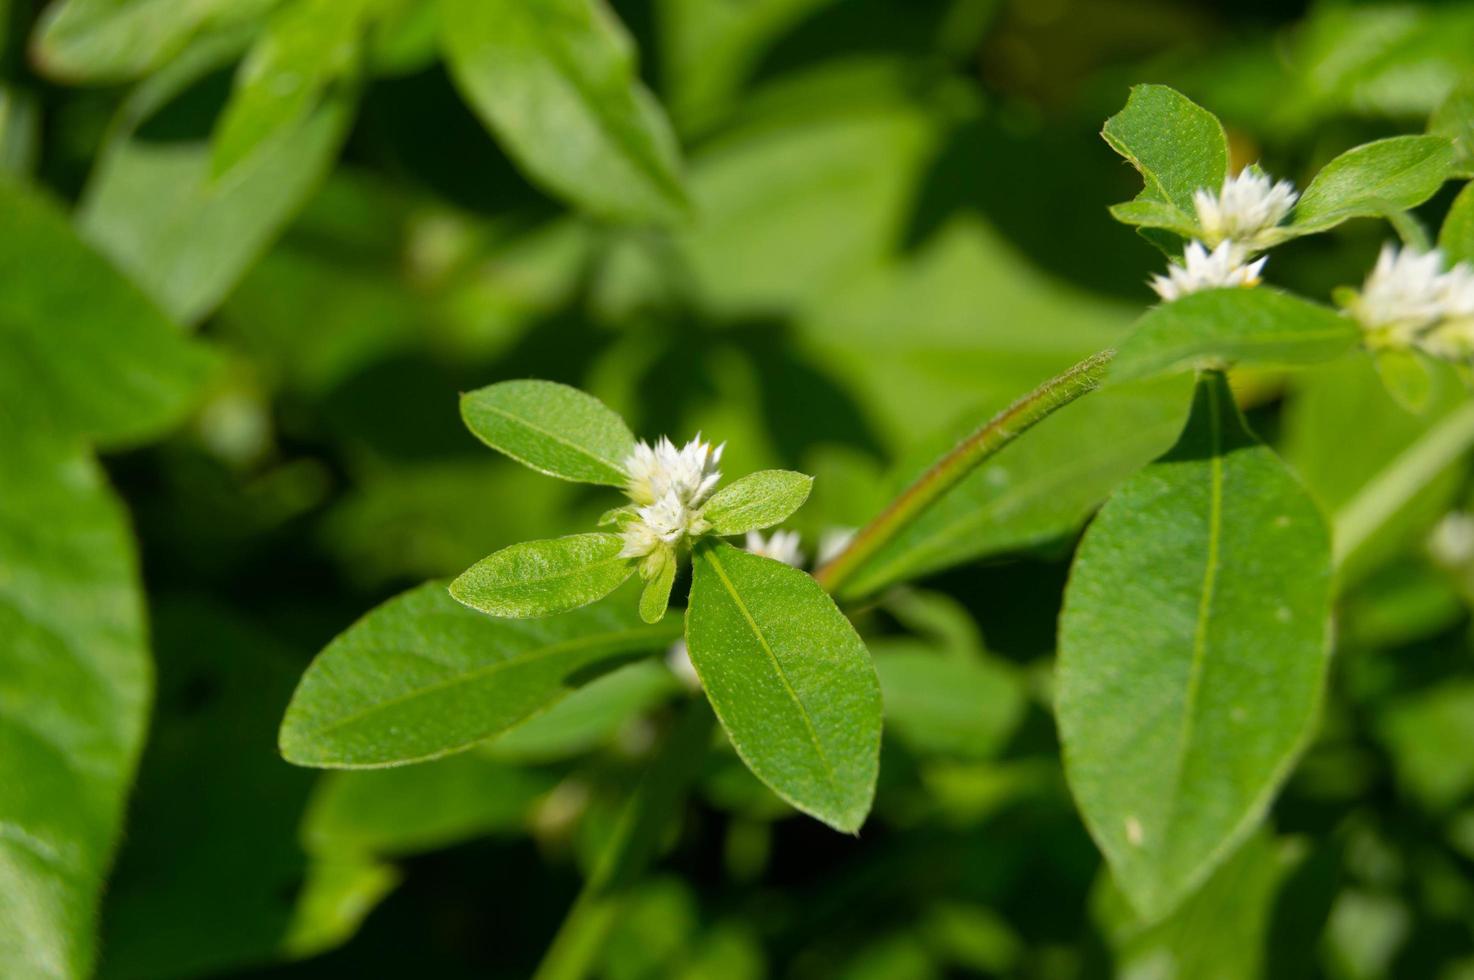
<point>899,224</point>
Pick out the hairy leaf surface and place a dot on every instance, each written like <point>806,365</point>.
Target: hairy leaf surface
<point>553,428</point>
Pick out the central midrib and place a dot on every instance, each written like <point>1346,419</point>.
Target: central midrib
<point>813,734</point>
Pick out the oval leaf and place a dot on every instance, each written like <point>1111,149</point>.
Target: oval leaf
<point>556,81</point>
<point>139,375</point>
<point>543,578</point>
<point>1177,145</point>
<point>1192,653</point>
<point>1456,237</point>
<point>656,595</point>
<point>551,428</point>
<point>789,679</point>
<point>1369,180</point>
<point>1233,326</point>
<point>756,501</point>
<point>74,656</point>
<point>423,676</point>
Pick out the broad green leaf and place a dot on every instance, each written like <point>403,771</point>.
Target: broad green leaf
<point>590,716</point>
<point>655,596</point>
<point>75,684</point>
<point>423,676</point>
<point>1156,214</point>
<point>1456,237</point>
<point>960,707</point>
<point>1177,145</point>
<point>411,809</point>
<point>82,351</point>
<point>556,81</point>
<point>116,40</point>
<point>1192,652</point>
<point>183,236</point>
<point>756,501</point>
<point>790,680</point>
<point>1038,488</point>
<point>307,46</point>
<point>543,578</point>
<point>1217,327</point>
<point>552,428</point>
<point>1372,179</point>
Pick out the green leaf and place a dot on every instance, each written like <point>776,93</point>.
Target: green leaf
<point>1407,377</point>
<point>1177,145</point>
<point>1372,179</point>
<point>1192,653</point>
<point>1419,729</point>
<point>411,809</point>
<point>948,706</point>
<point>1456,237</point>
<point>1232,326</point>
<point>1454,120</point>
<point>73,699</point>
<point>790,680</point>
<point>544,578</point>
<point>552,428</point>
<point>655,597</point>
<point>82,351</point>
<point>423,676</point>
<point>115,40</point>
<point>556,81</point>
<point>184,237</point>
<point>1155,214</point>
<point>306,47</point>
<point>1037,489</point>
<point>756,501</point>
<point>590,716</point>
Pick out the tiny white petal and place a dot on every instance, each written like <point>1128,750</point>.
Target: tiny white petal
<point>1225,266</point>
<point>779,546</point>
<point>1246,209</point>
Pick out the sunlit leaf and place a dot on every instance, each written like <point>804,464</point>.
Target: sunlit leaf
<point>73,699</point>
<point>552,428</point>
<point>542,578</point>
<point>790,680</point>
<point>757,501</point>
<point>1183,693</point>
<point>1219,327</point>
<point>1178,146</point>
<point>423,676</point>
<point>556,81</point>
<point>138,375</point>
<point>1393,174</point>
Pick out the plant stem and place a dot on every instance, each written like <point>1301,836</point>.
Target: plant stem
<point>963,458</point>
<point>631,846</point>
<point>1364,514</point>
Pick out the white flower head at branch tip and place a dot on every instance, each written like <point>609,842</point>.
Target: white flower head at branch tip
<point>779,546</point>
<point>1246,210</point>
<point>1410,300</point>
<point>669,486</point>
<point>1226,266</point>
<point>689,472</point>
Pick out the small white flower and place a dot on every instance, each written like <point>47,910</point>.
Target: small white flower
<point>1246,210</point>
<point>663,523</point>
<point>1405,294</point>
<point>780,546</point>
<point>1200,269</point>
<point>690,473</point>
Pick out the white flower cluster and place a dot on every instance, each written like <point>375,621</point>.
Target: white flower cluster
<point>1410,300</point>
<point>668,486</point>
<point>1237,222</point>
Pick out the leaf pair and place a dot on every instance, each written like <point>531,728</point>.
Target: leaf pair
<point>1179,147</point>
<point>566,433</point>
